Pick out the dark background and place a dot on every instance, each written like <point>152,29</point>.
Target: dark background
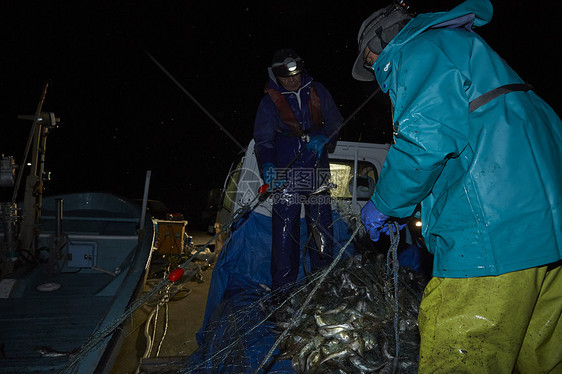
<point>121,115</point>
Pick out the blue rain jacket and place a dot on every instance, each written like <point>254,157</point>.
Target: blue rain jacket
<point>490,181</point>
<point>274,141</point>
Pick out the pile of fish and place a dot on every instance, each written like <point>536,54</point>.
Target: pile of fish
<point>349,324</point>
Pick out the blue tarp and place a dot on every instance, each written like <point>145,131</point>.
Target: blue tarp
<point>234,293</point>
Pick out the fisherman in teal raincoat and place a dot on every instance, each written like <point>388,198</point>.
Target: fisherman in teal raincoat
<point>482,154</point>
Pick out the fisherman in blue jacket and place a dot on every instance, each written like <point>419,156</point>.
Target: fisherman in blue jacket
<point>482,153</point>
<point>296,123</point>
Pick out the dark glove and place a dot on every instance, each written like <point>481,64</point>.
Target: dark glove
<point>376,222</point>
<point>316,144</point>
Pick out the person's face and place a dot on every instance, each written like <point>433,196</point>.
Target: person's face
<point>291,83</point>
<point>369,58</point>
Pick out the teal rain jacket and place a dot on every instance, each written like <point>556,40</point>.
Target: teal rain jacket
<point>490,181</point>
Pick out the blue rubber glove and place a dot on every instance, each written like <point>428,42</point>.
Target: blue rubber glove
<point>270,176</point>
<point>316,144</point>
<point>376,222</point>
<point>373,220</point>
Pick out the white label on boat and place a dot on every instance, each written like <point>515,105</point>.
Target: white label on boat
<point>6,286</point>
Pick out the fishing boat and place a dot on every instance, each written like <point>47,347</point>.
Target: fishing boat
<point>70,266</point>
<point>92,258</point>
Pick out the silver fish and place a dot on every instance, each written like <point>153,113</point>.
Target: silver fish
<point>346,352</point>
<point>363,365</point>
<point>324,187</point>
<point>331,330</point>
<point>50,352</point>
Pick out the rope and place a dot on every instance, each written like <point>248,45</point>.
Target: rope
<point>166,306</point>
<point>150,337</point>
<point>394,240</point>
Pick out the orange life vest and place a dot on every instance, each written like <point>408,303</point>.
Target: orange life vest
<point>287,115</point>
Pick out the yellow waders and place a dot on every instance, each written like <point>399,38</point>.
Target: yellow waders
<point>509,323</point>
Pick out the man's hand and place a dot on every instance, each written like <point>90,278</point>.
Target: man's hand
<point>376,222</point>
<point>316,144</point>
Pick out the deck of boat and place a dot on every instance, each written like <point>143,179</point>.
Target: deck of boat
<point>58,321</point>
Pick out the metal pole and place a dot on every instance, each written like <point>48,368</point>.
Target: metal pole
<point>354,186</point>
<point>29,141</point>
<point>58,217</point>
<point>145,198</point>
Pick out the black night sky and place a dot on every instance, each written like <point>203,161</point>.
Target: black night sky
<point>121,115</point>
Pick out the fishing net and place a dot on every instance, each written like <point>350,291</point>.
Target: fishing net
<point>357,316</point>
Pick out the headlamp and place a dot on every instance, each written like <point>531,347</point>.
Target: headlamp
<point>288,67</point>
<point>291,66</point>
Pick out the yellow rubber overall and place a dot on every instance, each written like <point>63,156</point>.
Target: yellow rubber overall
<point>509,323</point>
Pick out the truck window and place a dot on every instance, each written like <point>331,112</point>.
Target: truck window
<point>342,175</point>
<point>231,188</point>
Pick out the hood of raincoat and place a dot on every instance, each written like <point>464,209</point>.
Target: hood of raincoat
<point>469,14</point>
